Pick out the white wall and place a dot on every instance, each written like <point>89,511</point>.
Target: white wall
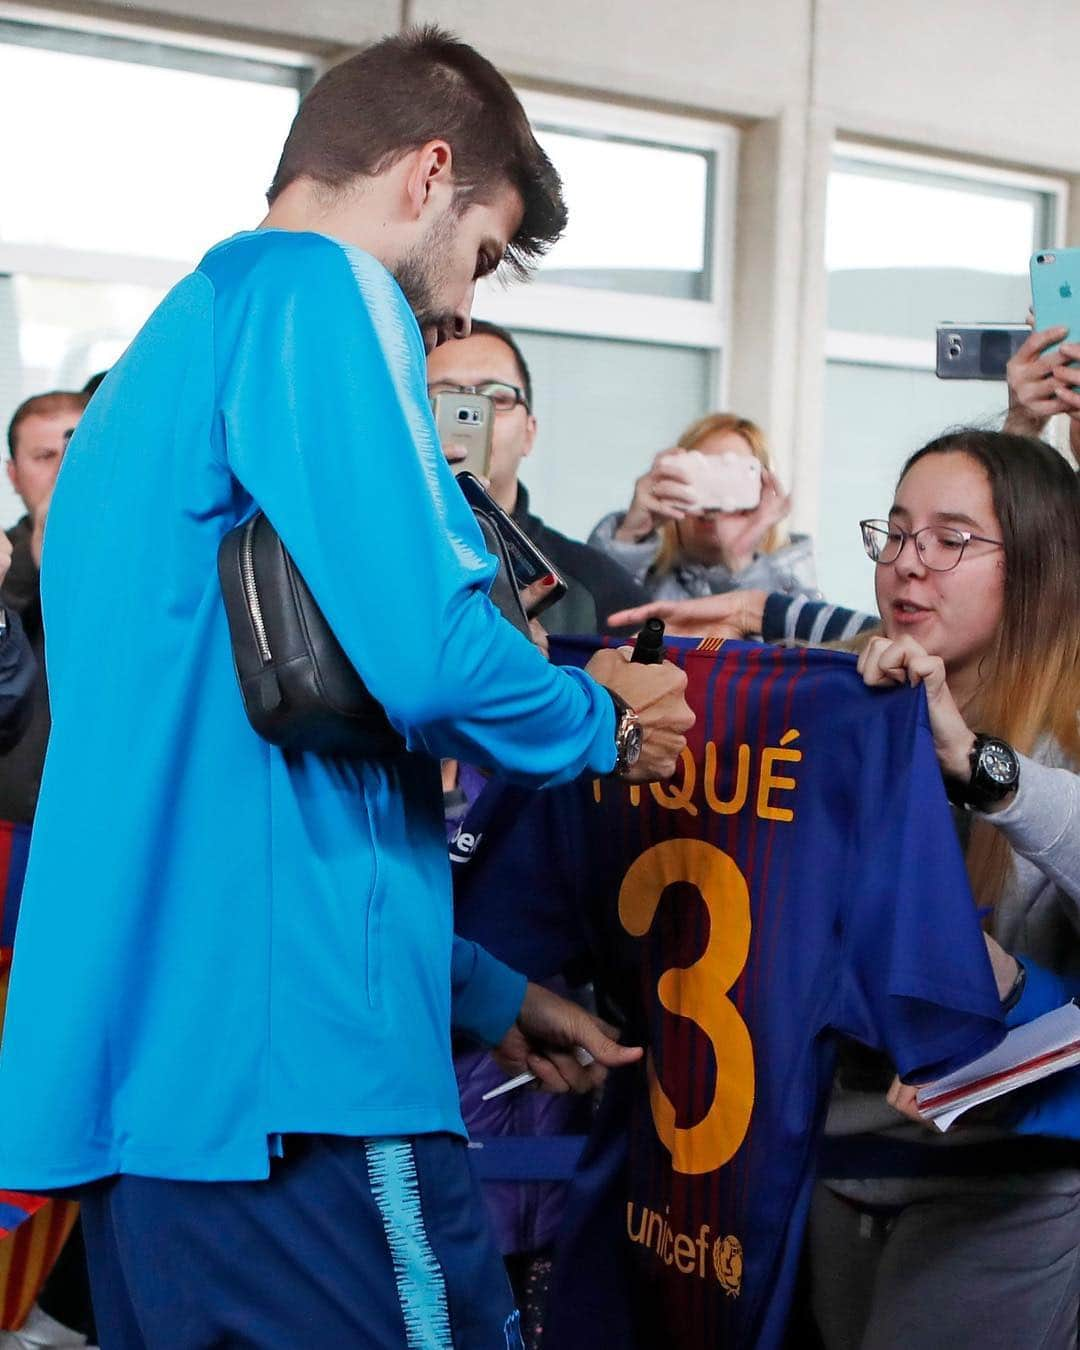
<point>322,24</point>
<point>715,55</point>
<point>985,77</point>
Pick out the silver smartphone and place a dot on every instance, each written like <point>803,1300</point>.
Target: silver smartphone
<point>977,351</point>
<point>466,424</point>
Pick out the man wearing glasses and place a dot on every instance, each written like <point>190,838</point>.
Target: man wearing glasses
<point>490,362</point>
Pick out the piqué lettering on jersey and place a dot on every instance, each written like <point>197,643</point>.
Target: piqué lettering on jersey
<point>695,787</point>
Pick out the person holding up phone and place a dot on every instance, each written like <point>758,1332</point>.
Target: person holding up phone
<point>1040,378</point>
<point>489,362</point>
<point>706,518</point>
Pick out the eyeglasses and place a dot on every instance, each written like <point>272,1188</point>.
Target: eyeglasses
<point>505,397</point>
<point>940,546</point>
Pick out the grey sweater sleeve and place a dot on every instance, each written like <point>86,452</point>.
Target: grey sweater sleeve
<point>635,558</point>
<point>788,570</point>
<point>1042,822</point>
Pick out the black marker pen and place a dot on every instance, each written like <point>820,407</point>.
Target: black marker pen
<point>649,644</point>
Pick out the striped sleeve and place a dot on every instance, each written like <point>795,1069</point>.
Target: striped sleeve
<point>794,618</point>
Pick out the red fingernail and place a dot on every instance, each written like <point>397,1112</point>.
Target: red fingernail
<point>549,580</point>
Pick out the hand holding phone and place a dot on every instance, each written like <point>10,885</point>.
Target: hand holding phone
<point>662,493</point>
<point>682,482</point>
<point>1033,391</point>
<point>727,482</point>
<point>530,566</point>
<point>977,351</point>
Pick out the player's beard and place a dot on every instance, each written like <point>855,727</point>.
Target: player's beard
<point>420,271</point>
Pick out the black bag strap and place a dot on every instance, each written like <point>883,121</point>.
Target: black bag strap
<point>504,594</point>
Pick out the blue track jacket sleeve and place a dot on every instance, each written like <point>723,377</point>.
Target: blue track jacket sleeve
<point>1053,1106</point>
<point>486,995</point>
<point>1043,992</point>
<point>327,426</point>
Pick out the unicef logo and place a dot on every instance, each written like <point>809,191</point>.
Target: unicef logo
<point>727,1256</point>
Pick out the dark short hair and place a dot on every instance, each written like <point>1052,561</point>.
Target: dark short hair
<point>91,385</point>
<point>43,405</point>
<point>484,328</point>
<point>423,85</point>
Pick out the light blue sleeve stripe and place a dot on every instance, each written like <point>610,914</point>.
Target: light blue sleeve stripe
<point>821,622</point>
<point>791,618</point>
<point>420,1284</point>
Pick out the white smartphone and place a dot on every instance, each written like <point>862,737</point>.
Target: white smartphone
<point>727,482</point>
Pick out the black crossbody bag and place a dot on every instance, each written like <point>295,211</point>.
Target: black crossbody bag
<point>299,689</point>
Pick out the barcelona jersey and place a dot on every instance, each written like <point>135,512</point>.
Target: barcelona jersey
<point>797,880</point>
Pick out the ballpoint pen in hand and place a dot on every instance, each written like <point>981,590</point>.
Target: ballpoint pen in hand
<point>580,1054</point>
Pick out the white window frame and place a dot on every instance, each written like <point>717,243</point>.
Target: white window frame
<point>583,311</point>
<point>903,353</point>
<point>68,264</point>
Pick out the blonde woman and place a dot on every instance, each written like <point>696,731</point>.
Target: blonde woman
<point>678,552</point>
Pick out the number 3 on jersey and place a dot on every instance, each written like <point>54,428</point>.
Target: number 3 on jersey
<point>697,992</point>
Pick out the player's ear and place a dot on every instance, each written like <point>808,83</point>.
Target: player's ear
<point>429,177</point>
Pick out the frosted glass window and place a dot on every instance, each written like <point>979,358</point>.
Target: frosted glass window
<point>878,220</point>
<point>133,159</point>
<point>906,250</point>
<point>638,216</point>
<point>875,417</point>
<point>56,333</point>
<point>70,329</point>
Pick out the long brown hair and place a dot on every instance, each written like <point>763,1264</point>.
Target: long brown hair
<point>1030,685</point>
<point>713,424</point>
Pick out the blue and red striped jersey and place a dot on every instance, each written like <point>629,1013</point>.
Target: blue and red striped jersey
<point>799,879</point>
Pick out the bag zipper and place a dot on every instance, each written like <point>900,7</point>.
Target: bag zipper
<point>247,578</point>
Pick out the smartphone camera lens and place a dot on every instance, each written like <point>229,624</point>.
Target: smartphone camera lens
<point>463,414</point>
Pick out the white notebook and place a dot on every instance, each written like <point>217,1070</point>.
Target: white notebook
<point>1046,1046</point>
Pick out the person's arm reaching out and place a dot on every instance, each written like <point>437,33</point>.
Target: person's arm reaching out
<point>752,613</point>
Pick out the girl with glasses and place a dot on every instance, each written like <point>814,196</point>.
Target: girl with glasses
<point>973,1238</point>
<point>978,591</point>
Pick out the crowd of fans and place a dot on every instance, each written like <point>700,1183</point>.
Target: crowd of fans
<point>976,1239</point>
<point>732,574</point>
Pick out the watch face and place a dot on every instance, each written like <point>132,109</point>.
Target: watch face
<point>632,751</point>
<point>998,762</point>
